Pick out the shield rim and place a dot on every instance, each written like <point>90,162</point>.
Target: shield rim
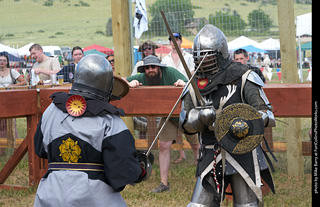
<point>120,88</point>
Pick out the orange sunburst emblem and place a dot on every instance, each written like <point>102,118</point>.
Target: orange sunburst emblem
<point>76,105</point>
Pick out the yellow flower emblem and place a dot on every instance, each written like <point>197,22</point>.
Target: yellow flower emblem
<point>70,151</point>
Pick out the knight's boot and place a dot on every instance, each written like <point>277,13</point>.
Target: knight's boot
<point>243,196</point>
<point>201,197</point>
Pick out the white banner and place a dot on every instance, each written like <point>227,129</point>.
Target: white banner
<point>140,18</point>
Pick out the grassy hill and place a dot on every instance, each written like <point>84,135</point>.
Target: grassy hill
<point>81,22</point>
<point>64,24</point>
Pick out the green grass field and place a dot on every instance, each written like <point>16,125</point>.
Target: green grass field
<point>65,24</point>
<point>290,191</point>
<point>69,23</point>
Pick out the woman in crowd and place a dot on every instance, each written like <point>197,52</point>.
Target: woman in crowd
<point>9,77</point>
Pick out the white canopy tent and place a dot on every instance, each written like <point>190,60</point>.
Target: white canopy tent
<point>241,42</point>
<point>303,27</point>
<point>10,50</point>
<point>25,50</point>
<point>270,44</point>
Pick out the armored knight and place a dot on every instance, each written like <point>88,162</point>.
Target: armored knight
<point>90,151</point>
<point>230,125</point>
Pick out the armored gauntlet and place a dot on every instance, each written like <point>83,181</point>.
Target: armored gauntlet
<point>197,119</point>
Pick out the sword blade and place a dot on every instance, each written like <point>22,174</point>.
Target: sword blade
<point>195,88</point>
<point>175,105</point>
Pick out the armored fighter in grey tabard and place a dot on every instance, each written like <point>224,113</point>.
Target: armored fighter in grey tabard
<point>231,125</point>
<point>90,151</point>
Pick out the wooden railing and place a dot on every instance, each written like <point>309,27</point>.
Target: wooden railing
<point>288,100</point>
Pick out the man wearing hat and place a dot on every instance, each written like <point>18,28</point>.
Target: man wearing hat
<point>91,152</point>
<point>153,73</point>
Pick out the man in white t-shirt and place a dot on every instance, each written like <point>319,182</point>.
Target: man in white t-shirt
<point>173,60</point>
<point>44,66</point>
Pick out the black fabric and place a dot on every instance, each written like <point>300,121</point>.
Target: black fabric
<point>88,153</point>
<point>266,175</point>
<point>68,72</point>
<point>229,143</point>
<point>119,156</point>
<point>213,92</point>
<point>94,107</point>
<point>224,77</point>
<point>252,96</point>
<point>245,160</point>
<point>121,164</point>
<point>208,137</point>
<point>38,145</point>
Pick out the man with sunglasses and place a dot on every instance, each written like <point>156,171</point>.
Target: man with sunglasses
<point>110,58</point>
<point>147,48</point>
<point>152,73</point>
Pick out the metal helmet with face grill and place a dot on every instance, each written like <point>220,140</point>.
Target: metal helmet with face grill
<point>93,78</point>
<point>212,40</point>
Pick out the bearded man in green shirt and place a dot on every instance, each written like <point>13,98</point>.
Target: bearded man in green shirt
<point>152,73</point>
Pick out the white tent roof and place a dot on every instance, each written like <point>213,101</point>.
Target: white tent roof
<point>270,44</point>
<point>241,42</point>
<point>25,49</point>
<point>10,50</point>
<point>304,25</point>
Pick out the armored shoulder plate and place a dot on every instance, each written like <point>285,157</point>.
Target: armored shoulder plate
<point>254,78</point>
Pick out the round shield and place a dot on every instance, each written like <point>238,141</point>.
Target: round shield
<point>120,88</point>
<point>239,128</point>
<point>76,105</point>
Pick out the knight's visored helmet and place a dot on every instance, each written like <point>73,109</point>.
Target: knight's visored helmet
<point>212,40</point>
<point>93,78</point>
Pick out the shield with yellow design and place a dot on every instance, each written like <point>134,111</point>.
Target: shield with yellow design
<point>76,105</point>
<point>239,128</point>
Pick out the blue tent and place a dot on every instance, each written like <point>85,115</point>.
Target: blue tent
<point>137,55</point>
<point>250,48</point>
<point>13,58</point>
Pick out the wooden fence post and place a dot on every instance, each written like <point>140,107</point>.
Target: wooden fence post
<point>123,49</point>
<point>290,75</point>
